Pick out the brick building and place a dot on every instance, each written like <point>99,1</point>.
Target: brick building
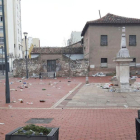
<point>102,38</point>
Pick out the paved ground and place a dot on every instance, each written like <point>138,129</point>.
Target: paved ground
<point>93,96</point>
<point>78,110</point>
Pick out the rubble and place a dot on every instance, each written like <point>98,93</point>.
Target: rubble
<point>99,74</point>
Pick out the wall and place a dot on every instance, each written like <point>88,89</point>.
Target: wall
<point>114,40</point>
<point>37,65</point>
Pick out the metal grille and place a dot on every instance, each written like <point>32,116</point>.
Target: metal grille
<point>132,40</point>
<point>104,40</point>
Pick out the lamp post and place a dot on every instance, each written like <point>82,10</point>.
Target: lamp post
<point>6,64</point>
<point>25,35</point>
<point>2,60</point>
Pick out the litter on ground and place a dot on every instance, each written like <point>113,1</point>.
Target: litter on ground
<point>43,89</point>
<point>99,74</point>
<point>42,101</point>
<point>29,103</point>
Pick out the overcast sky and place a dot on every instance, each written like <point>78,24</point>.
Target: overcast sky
<point>53,20</point>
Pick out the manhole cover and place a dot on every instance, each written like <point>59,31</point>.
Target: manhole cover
<point>40,120</point>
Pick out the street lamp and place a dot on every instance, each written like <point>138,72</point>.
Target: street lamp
<point>25,35</point>
<point>2,60</point>
<point>7,94</point>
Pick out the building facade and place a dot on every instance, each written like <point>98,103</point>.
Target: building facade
<point>31,43</point>
<point>13,29</point>
<point>102,38</point>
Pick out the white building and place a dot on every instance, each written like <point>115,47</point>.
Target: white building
<point>17,28</point>
<point>35,42</point>
<point>75,37</point>
<point>13,29</point>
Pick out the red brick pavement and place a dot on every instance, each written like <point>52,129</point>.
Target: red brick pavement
<point>75,124</point>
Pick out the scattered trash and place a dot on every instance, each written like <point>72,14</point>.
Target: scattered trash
<point>69,81</point>
<point>23,77</point>
<point>11,83</point>
<point>106,86</point>
<point>21,90</point>
<point>108,101</point>
<point>13,90</point>
<point>26,86</point>
<point>1,123</point>
<point>29,103</point>
<point>125,106</point>
<point>112,90</point>
<point>21,101</point>
<point>48,94</point>
<point>24,82</point>
<point>99,74</point>
<point>42,101</point>
<point>43,89</point>
<point>134,77</point>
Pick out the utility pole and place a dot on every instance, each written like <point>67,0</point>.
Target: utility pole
<point>6,64</point>
<point>25,34</point>
<point>99,14</point>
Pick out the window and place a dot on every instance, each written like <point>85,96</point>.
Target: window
<point>0,8</point>
<point>103,62</point>
<point>1,40</point>
<point>133,63</point>
<point>104,40</point>
<point>132,40</point>
<point>1,18</point>
<point>134,60</point>
<point>1,29</point>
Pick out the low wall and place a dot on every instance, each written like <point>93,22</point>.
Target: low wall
<point>37,65</point>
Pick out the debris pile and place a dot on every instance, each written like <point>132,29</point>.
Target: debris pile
<point>99,74</point>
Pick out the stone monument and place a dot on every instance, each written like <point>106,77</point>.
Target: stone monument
<point>123,60</point>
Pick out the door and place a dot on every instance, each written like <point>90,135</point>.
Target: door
<point>51,65</point>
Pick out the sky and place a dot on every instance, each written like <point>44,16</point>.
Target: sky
<point>52,21</point>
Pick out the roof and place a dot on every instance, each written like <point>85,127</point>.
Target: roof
<point>111,19</point>
<point>57,50</point>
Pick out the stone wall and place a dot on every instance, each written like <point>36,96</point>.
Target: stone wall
<point>37,65</point>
